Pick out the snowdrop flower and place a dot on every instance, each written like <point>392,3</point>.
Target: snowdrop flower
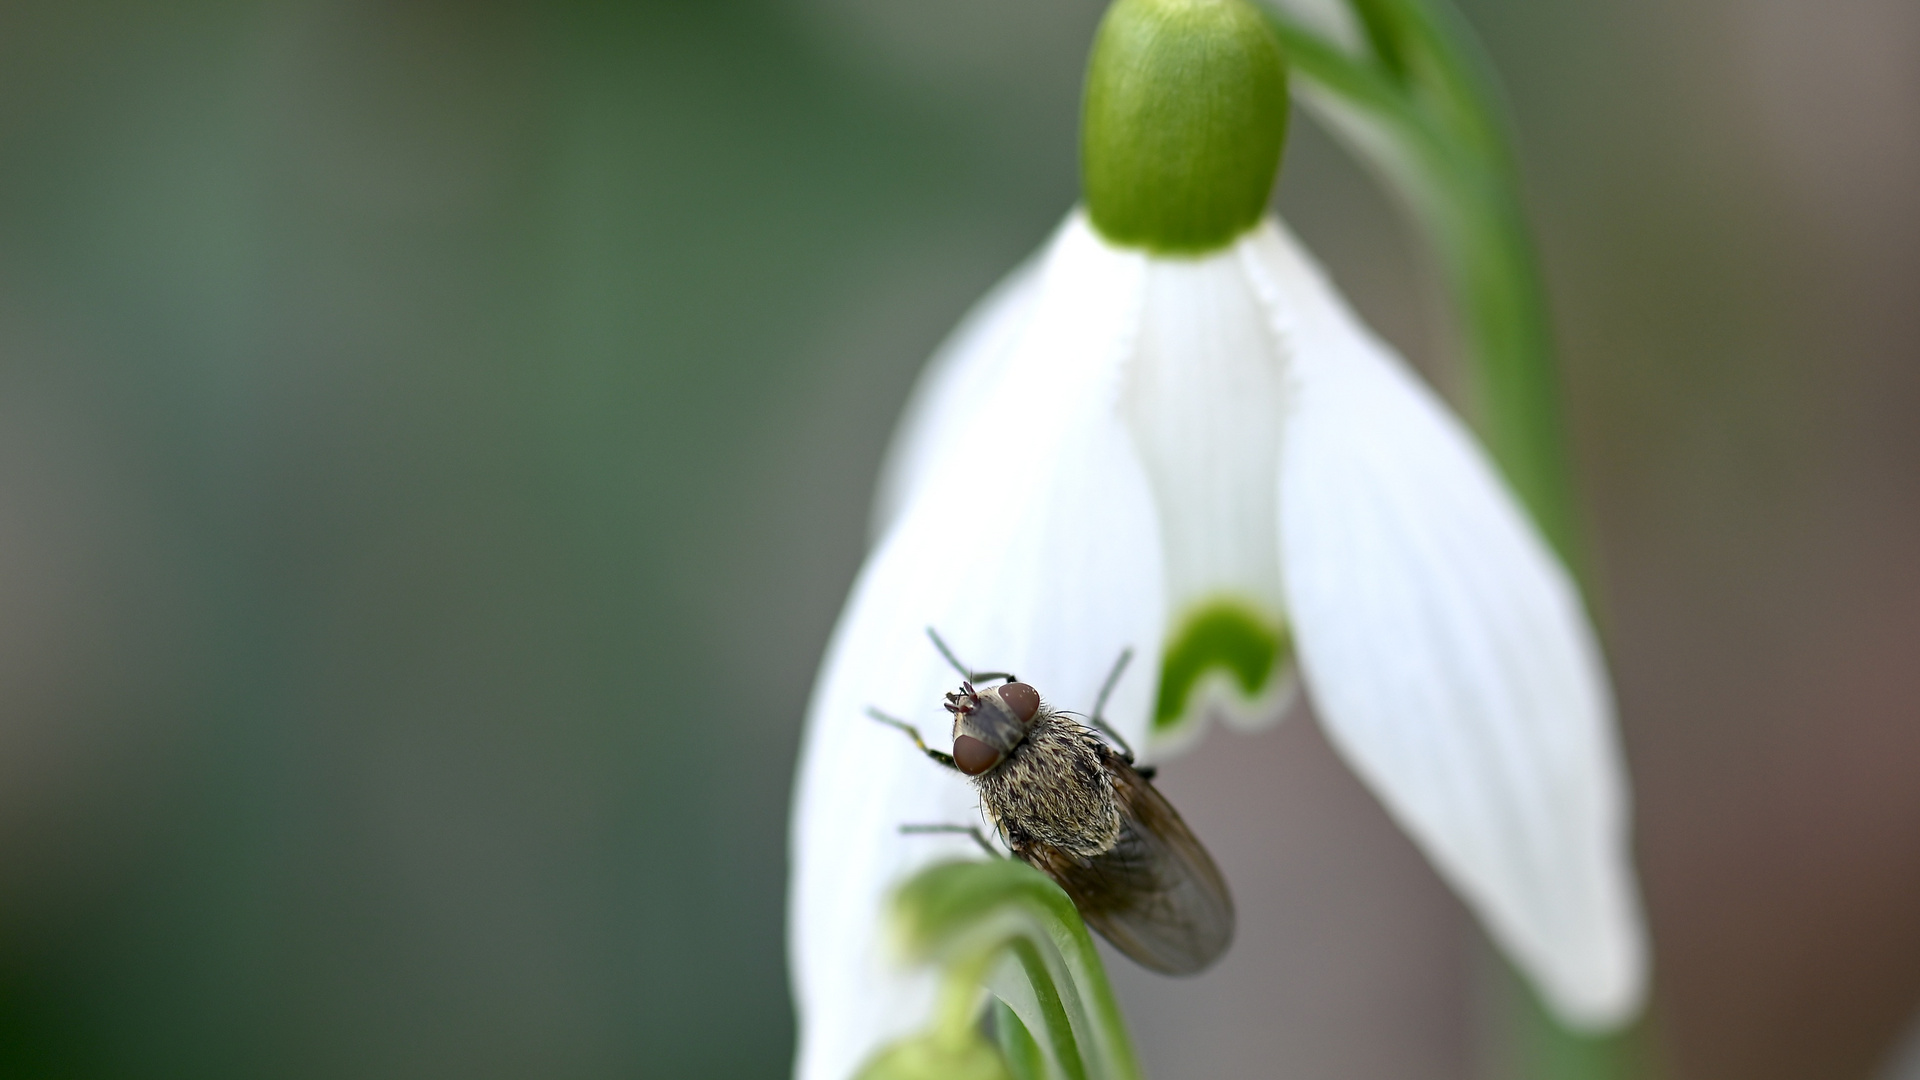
<point>1169,433</point>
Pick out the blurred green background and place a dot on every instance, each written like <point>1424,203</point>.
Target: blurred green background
<point>435,440</point>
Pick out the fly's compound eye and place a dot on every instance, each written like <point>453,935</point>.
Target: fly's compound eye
<point>1021,700</point>
<point>973,756</point>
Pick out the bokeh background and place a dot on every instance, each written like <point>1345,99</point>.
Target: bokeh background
<point>435,440</point>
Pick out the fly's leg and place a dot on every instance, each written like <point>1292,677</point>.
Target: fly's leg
<point>1106,691</point>
<point>914,734</point>
<point>1099,721</point>
<point>966,672</point>
<point>970,830</point>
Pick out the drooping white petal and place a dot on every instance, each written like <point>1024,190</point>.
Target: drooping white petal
<point>958,380</point>
<point>1203,402</point>
<point>1447,653</point>
<point>1032,546</point>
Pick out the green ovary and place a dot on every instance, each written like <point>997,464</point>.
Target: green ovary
<point>1225,635</point>
<point>1182,123</point>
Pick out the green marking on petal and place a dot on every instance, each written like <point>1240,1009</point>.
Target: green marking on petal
<point>1223,634</point>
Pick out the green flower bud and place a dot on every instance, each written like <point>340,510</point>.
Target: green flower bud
<point>937,1057</point>
<point>1183,123</point>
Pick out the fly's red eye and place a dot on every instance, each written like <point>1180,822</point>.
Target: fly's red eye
<point>1022,700</point>
<point>973,756</point>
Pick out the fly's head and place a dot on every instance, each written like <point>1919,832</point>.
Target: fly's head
<point>988,724</point>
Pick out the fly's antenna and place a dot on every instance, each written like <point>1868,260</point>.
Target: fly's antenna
<point>966,673</point>
<point>963,702</point>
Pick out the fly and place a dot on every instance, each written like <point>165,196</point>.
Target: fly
<point>1079,811</point>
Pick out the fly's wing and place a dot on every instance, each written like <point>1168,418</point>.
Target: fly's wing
<point>1156,893</point>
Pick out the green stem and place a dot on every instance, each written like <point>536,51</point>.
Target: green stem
<point>1023,1055</point>
<point>1025,987</point>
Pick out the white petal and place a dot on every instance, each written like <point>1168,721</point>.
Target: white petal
<point>1203,401</point>
<point>1032,547</point>
<point>958,380</point>
<point>1448,655</point>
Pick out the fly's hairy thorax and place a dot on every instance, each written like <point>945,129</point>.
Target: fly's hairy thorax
<point>1054,788</point>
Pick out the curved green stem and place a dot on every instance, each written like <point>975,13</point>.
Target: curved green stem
<point>1004,925</point>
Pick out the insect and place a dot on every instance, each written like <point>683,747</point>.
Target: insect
<point>1077,809</point>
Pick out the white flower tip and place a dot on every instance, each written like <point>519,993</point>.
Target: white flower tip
<point>1217,697</point>
<point>1448,655</point>
<point>1607,988</point>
